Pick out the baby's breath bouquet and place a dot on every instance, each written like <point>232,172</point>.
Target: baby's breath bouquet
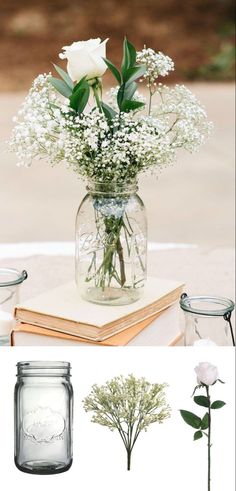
<point>109,144</point>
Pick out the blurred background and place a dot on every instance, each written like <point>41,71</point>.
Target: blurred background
<point>191,202</point>
<point>197,34</point>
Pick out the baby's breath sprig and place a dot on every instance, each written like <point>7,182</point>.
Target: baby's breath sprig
<point>129,406</point>
<point>157,64</point>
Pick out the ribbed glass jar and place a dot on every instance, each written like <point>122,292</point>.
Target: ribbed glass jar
<point>10,282</point>
<point>207,321</point>
<point>43,417</point>
<point>111,244</point>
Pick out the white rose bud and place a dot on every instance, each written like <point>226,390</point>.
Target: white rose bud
<point>85,58</point>
<point>206,373</point>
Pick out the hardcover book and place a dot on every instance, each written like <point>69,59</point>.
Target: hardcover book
<point>62,310</point>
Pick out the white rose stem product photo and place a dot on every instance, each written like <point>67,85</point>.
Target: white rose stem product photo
<point>207,376</point>
<point>207,321</point>
<point>10,281</point>
<point>43,417</point>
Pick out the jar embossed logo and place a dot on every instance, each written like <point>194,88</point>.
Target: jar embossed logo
<point>43,425</point>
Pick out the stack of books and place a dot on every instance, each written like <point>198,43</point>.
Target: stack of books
<point>60,316</point>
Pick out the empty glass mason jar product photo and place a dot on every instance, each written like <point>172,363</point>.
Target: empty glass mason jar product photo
<point>43,417</point>
<point>10,281</point>
<point>111,244</point>
<point>207,321</point>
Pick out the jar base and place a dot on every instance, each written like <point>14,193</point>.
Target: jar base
<point>43,467</point>
<point>112,296</point>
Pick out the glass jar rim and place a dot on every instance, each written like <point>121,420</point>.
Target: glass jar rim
<point>43,367</point>
<point>108,187</point>
<point>43,364</point>
<point>225,305</point>
<point>20,276</point>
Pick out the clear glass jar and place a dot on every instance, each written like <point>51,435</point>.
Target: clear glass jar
<point>10,281</point>
<point>43,417</point>
<point>111,244</point>
<point>207,321</point>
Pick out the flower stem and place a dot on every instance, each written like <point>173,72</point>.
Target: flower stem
<point>209,439</point>
<point>96,96</point>
<point>119,249</point>
<point>128,459</point>
<point>150,103</point>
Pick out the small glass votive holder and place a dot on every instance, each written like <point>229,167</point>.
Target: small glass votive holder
<point>10,281</point>
<point>207,321</point>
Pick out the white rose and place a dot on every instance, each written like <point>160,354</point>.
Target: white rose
<point>206,373</point>
<point>85,58</point>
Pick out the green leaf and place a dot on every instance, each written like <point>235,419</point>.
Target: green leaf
<point>61,87</point>
<point>131,106</point>
<point>217,404</point>
<point>129,91</point>
<point>64,75</point>
<point>202,401</point>
<point>191,419</point>
<point>197,435</point>
<point>80,97</point>
<point>82,83</point>
<point>205,422</point>
<point>132,53</point>
<point>108,111</point>
<point>126,92</point>
<point>114,70</point>
<point>126,57</point>
<point>134,72</point>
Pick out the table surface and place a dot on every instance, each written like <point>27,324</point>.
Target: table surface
<point>204,270</point>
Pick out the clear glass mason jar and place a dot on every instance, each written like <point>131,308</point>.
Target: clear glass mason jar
<point>43,417</point>
<point>111,244</point>
<point>207,321</point>
<point>10,281</point>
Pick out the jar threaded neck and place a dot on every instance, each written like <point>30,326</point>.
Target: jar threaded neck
<point>43,368</point>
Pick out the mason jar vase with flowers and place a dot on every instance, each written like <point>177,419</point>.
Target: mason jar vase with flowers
<point>109,145</point>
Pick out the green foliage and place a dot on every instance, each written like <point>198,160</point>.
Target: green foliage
<point>126,78</point>
<point>64,75</point>
<point>197,435</point>
<point>202,401</point>
<point>108,111</point>
<point>80,96</point>
<point>133,73</point>
<point>191,419</point>
<point>217,404</point>
<point>61,87</point>
<point>131,105</point>
<point>129,56</point>
<point>128,405</point>
<point>113,69</point>
<point>205,422</point>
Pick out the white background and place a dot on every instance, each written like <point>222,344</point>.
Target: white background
<point>165,458</point>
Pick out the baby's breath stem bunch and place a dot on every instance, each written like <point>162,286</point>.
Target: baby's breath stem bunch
<point>128,406</point>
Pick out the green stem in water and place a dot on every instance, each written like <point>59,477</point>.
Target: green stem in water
<point>119,249</point>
